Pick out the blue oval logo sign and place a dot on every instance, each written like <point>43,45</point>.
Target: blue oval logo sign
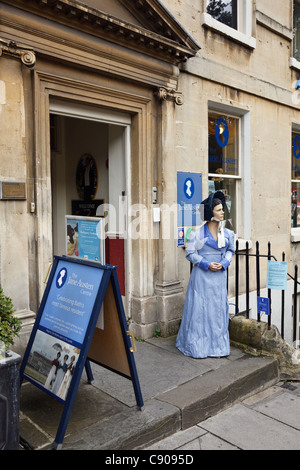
<point>61,277</point>
<point>222,132</point>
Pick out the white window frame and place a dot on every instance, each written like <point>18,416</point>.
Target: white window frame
<point>295,231</point>
<point>243,33</point>
<point>293,61</point>
<point>243,195</point>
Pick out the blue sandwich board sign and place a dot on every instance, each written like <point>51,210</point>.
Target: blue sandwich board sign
<point>65,336</point>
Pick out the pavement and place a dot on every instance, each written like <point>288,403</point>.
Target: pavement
<point>238,402</point>
<point>268,420</point>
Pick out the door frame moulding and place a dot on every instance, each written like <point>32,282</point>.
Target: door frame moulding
<point>48,88</point>
<point>111,118</point>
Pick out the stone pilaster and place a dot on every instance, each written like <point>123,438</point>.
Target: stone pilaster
<point>168,288</point>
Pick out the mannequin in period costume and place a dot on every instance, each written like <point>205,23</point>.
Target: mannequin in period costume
<point>204,327</point>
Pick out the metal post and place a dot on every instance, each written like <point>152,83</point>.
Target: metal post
<point>269,290</point>
<point>295,305</point>
<point>247,280</point>
<point>282,305</point>
<point>257,276</point>
<point>237,278</point>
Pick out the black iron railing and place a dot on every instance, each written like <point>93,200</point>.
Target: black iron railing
<point>258,256</point>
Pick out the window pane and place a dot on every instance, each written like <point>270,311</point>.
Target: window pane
<point>296,29</point>
<point>224,11</point>
<point>223,141</point>
<point>228,187</point>
<point>295,156</point>
<point>296,204</point>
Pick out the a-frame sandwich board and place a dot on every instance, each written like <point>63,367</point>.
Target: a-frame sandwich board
<point>66,336</point>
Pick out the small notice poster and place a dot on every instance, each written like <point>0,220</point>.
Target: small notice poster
<point>263,305</point>
<point>85,238</point>
<point>277,275</point>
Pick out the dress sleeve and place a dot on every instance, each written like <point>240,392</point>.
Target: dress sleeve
<point>194,244</point>
<point>226,260</point>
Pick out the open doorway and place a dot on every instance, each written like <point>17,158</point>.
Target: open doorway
<point>80,137</point>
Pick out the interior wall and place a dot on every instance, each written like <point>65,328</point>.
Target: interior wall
<point>75,137</point>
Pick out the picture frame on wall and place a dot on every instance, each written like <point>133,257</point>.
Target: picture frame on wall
<point>86,177</point>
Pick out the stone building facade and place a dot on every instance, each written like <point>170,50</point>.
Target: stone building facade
<point>147,89</point>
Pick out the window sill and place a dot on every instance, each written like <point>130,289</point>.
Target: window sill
<point>242,244</point>
<point>225,30</point>
<point>295,235</point>
<point>294,63</point>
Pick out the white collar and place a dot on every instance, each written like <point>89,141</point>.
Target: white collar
<point>221,237</point>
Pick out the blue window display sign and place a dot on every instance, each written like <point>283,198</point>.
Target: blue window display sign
<point>189,197</point>
<point>222,132</point>
<point>61,342</point>
<point>277,275</point>
<point>263,305</point>
<point>296,147</point>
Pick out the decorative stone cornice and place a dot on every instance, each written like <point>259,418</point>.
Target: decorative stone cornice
<point>163,93</point>
<point>25,53</point>
<point>155,32</point>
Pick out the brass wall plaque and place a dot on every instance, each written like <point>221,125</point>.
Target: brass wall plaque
<point>12,190</point>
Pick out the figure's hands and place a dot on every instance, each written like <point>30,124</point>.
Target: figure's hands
<point>215,266</point>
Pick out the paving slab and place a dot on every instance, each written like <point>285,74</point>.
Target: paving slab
<point>178,439</point>
<point>248,429</point>
<point>283,407</point>
<point>194,438</point>
<point>159,368</point>
<point>40,413</point>
<point>207,442</point>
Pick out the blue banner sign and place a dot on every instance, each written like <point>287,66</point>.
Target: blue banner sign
<point>189,197</point>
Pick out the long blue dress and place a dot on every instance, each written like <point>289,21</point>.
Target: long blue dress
<point>204,326</point>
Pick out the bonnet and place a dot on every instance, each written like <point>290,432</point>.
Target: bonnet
<point>208,204</point>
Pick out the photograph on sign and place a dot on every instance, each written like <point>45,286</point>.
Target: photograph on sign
<point>85,238</point>
<point>62,327</point>
<point>52,363</point>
